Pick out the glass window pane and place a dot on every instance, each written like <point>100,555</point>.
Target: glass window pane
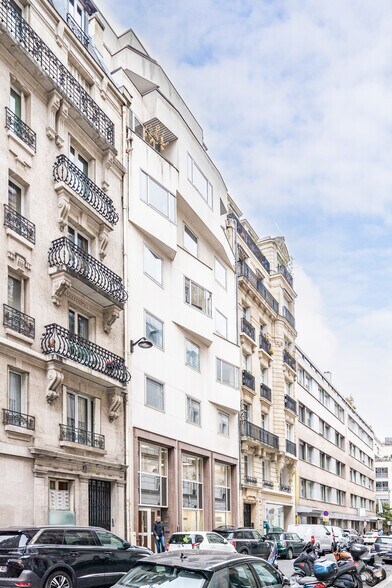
<point>14,197</point>
<point>14,293</point>
<point>16,103</point>
<point>82,326</point>
<point>150,489</point>
<point>71,416</point>
<point>193,411</point>
<point>158,197</point>
<point>149,458</point>
<point>15,391</point>
<point>192,352</point>
<point>220,273</point>
<point>153,265</point>
<point>154,330</point>
<point>190,241</point>
<point>220,324</point>
<point>154,394</point>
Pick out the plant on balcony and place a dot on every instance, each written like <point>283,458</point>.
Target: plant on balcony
<point>155,139</point>
<point>270,352</point>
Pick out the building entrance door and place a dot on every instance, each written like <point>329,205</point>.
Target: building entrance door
<point>146,518</point>
<point>247,515</point>
<point>99,504</point>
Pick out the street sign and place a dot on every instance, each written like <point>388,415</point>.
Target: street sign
<point>325,513</point>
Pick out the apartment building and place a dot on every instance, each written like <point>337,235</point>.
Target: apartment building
<point>335,451</point>
<point>62,367</point>
<point>265,302</point>
<point>383,472</point>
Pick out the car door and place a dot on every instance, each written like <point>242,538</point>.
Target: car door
<point>119,559</point>
<point>262,547</point>
<point>295,543</point>
<point>267,575</point>
<point>216,542</point>
<point>82,552</point>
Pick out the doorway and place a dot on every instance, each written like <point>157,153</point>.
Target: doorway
<point>247,515</point>
<point>146,518</point>
<point>99,504</point>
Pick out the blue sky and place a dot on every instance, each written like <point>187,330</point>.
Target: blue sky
<point>295,99</point>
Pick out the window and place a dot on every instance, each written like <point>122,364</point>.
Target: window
<point>220,324</point>
<point>155,394</point>
<point>227,374</point>
<point>14,196</point>
<point>221,274</point>
<point>78,324</point>
<point>190,241</point>
<point>265,470</point>
<point>59,495</point>
<point>153,266</point>
<point>222,491</point>
<point>223,424</point>
<point>80,412</point>
<point>246,362</point>
<point>15,293</point>
<point>199,181</point>
<point>154,330</point>
<point>16,103</point>
<point>80,162</point>
<point>152,474</point>
<point>107,539</point>
<point>198,297</point>
<point>289,432</point>
<point>301,413</point>
<point>79,537</point>
<point>158,197</point>
<point>248,466</point>
<point>15,385</point>
<point>192,355</point>
<point>267,576</point>
<point>78,239</point>
<point>76,11</point>
<point>193,411</point>
<point>192,492</point>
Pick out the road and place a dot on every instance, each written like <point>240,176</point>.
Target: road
<point>286,567</point>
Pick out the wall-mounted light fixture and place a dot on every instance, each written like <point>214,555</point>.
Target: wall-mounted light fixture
<point>142,342</point>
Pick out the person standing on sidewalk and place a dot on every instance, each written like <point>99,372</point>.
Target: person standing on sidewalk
<point>158,531</point>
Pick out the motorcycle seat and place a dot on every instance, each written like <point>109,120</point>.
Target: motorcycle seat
<point>308,580</point>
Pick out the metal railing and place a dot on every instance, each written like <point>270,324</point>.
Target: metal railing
<point>65,83</point>
<point>288,316</point>
<point>268,484</point>
<point>81,436</point>
<point>63,252</point>
<point>289,359</point>
<point>282,269</point>
<point>290,403</point>
<point>77,31</point>
<point>248,380</point>
<point>18,321</point>
<point>264,343</point>
<point>57,339</point>
<point>248,429</point>
<point>250,480</point>
<point>291,447</point>
<point>18,419</point>
<point>21,130</point>
<point>265,392</point>
<point>18,223</point>
<point>64,170</point>
<point>248,329</point>
<point>285,488</point>
<point>244,270</point>
<point>245,236</point>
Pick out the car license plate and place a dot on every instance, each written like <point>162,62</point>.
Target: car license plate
<point>3,569</point>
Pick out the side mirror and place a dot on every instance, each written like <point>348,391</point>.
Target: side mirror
<point>126,545</point>
<point>285,581</point>
<point>225,541</point>
<point>327,532</point>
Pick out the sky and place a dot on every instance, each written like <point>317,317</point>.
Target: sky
<point>295,99</point>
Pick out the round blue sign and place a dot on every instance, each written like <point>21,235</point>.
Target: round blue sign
<point>325,513</point>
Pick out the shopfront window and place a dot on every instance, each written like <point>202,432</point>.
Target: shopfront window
<point>152,475</point>
<point>222,494</point>
<point>192,493</point>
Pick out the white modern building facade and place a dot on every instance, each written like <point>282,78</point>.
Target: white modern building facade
<point>383,473</point>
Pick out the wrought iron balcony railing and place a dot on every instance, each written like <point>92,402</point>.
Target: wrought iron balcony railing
<point>21,130</point>
<point>81,436</point>
<point>264,343</point>
<point>250,480</point>
<point>64,252</point>
<point>57,339</point>
<point>248,429</point>
<point>66,171</point>
<point>248,329</point>
<point>265,392</point>
<point>18,321</point>
<point>282,269</point>
<point>244,270</point>
<point>268,484</point>
<point>290,403</point>
<point>245,236</point>
<point>18,223</point>
<point>46,60</point>
<point>288,316</point>
<point>18,419</point>
<point>248,380</point>
<point>289,359</point>
<point>285,488</point>
<point>291,447</point>
<point>77,31</point>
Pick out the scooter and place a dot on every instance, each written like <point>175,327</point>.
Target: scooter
<point>377,571</point>
<point>327,574</point>
<point>303,565</point>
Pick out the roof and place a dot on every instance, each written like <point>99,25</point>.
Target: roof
<point>206,561</point>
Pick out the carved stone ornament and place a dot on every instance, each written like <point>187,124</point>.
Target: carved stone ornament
<point>55,380</point>
<point>63,205</point>
<point>61,119</point>
<point>110,315</point>
<point>103,239</point>
<point>116,401</point>
<point>54,103</point>
<point>60,285</point>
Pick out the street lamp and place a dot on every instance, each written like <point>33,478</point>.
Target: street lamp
<point>142,342</point>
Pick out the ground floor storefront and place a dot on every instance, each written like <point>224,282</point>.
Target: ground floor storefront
<point>360,522</point>
<point>264,511</point>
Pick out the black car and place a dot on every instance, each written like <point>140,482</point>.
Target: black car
<point>289,544</point>
<point>201,570</point>
<point>63,556</point>
<point>246,541</point>
<point>384,544</point>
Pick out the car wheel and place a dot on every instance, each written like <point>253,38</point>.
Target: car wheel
<point>59,579</point>
<point>289,554</point>
<point>244,550</point>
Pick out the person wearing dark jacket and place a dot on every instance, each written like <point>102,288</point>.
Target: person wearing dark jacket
<point>158,531</point>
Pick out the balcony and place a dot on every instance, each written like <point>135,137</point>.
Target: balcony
<point>265,392</point>
<point>291,447</point>
<point>268,484</point>
<point>288,316</point>
<point>244,270</point>
<point>252,431</point>
<point>250,480</point>
<point>66,171</point>
<point>77,31</point>
<point>245,236</point>
<point>18,419</point>
<point>248,380</point>
<point>290,403</point>
<point>61,341</point>
<point>18,321</point>
<point>248,329</point>
<point>81,436</point>
<point>26,42</point>
<point>289,360</point>
<point>18,223</point>
<point>65,255</point>
<point>264,344</point>
<point>284,488</point>
<point>282,269</point>
<point>21,130</point>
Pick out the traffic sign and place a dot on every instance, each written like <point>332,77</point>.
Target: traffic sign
<point>325,513</point>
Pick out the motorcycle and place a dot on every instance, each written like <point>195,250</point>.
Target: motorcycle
<point>303,565</point>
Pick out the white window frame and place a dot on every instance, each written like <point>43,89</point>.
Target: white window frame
<point>148,313</point>
<point>197,369</point>
<point>189,402</point>
<point>220,421</point>
<point>219,364</point>
<point>163,393</point>
<point>146,247</point>
<point>22,392</point>
<point>76,156</point>
<point>56,497</point>
<point>188,233</point>
<point>93,411</point>
<point>222,316</point>
<point>22,282</point>
<point>22,194</point>
<point>218,264</point>
<point>207,297</point>
<point>209,197</point>
<point>171,202</point>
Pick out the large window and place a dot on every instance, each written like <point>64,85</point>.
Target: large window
<point>80,412</point>
<point>78,324</point>
<point>158,197</point>
<point>152,475</point>
<point>223,424</point>
<point>227,374</point>
<point>220,324</point>
<point>15,387</point>
<point>155,394</point>
<point>192,355</point>
<point>222,494</point>
<point>16,102</point>
<point>193,412</point>
<point>220,273</point>
<point>190,241</point>
<point>199,181</point>
<point>15,293</point>
<point>198,297</point>
<point>77,12</point>
<point>59,495</point>
<point>78,160</point>
<point>154,330</point>
<point>192,492</point>
<point>15,196</point>
<point>153,266</point>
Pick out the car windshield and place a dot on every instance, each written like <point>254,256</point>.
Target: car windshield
<point>9,540</point>
<point>181,538</point>
<point>164,576</point>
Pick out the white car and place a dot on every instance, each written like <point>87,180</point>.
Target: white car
<point>370,537</point>
<point>199,540</point>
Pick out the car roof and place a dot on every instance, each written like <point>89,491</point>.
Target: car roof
<point>22,529</point>
<point>207,560</point>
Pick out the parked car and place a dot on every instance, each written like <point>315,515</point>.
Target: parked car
<point>289,544</point>
<point>314,533</point>
<point>338,535</point>
<point>370,537</point>
<point>199,540</point>
<point>383,543</point>
<point>49,557</point>
<point>246,541</point>
<point>202,569</point>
